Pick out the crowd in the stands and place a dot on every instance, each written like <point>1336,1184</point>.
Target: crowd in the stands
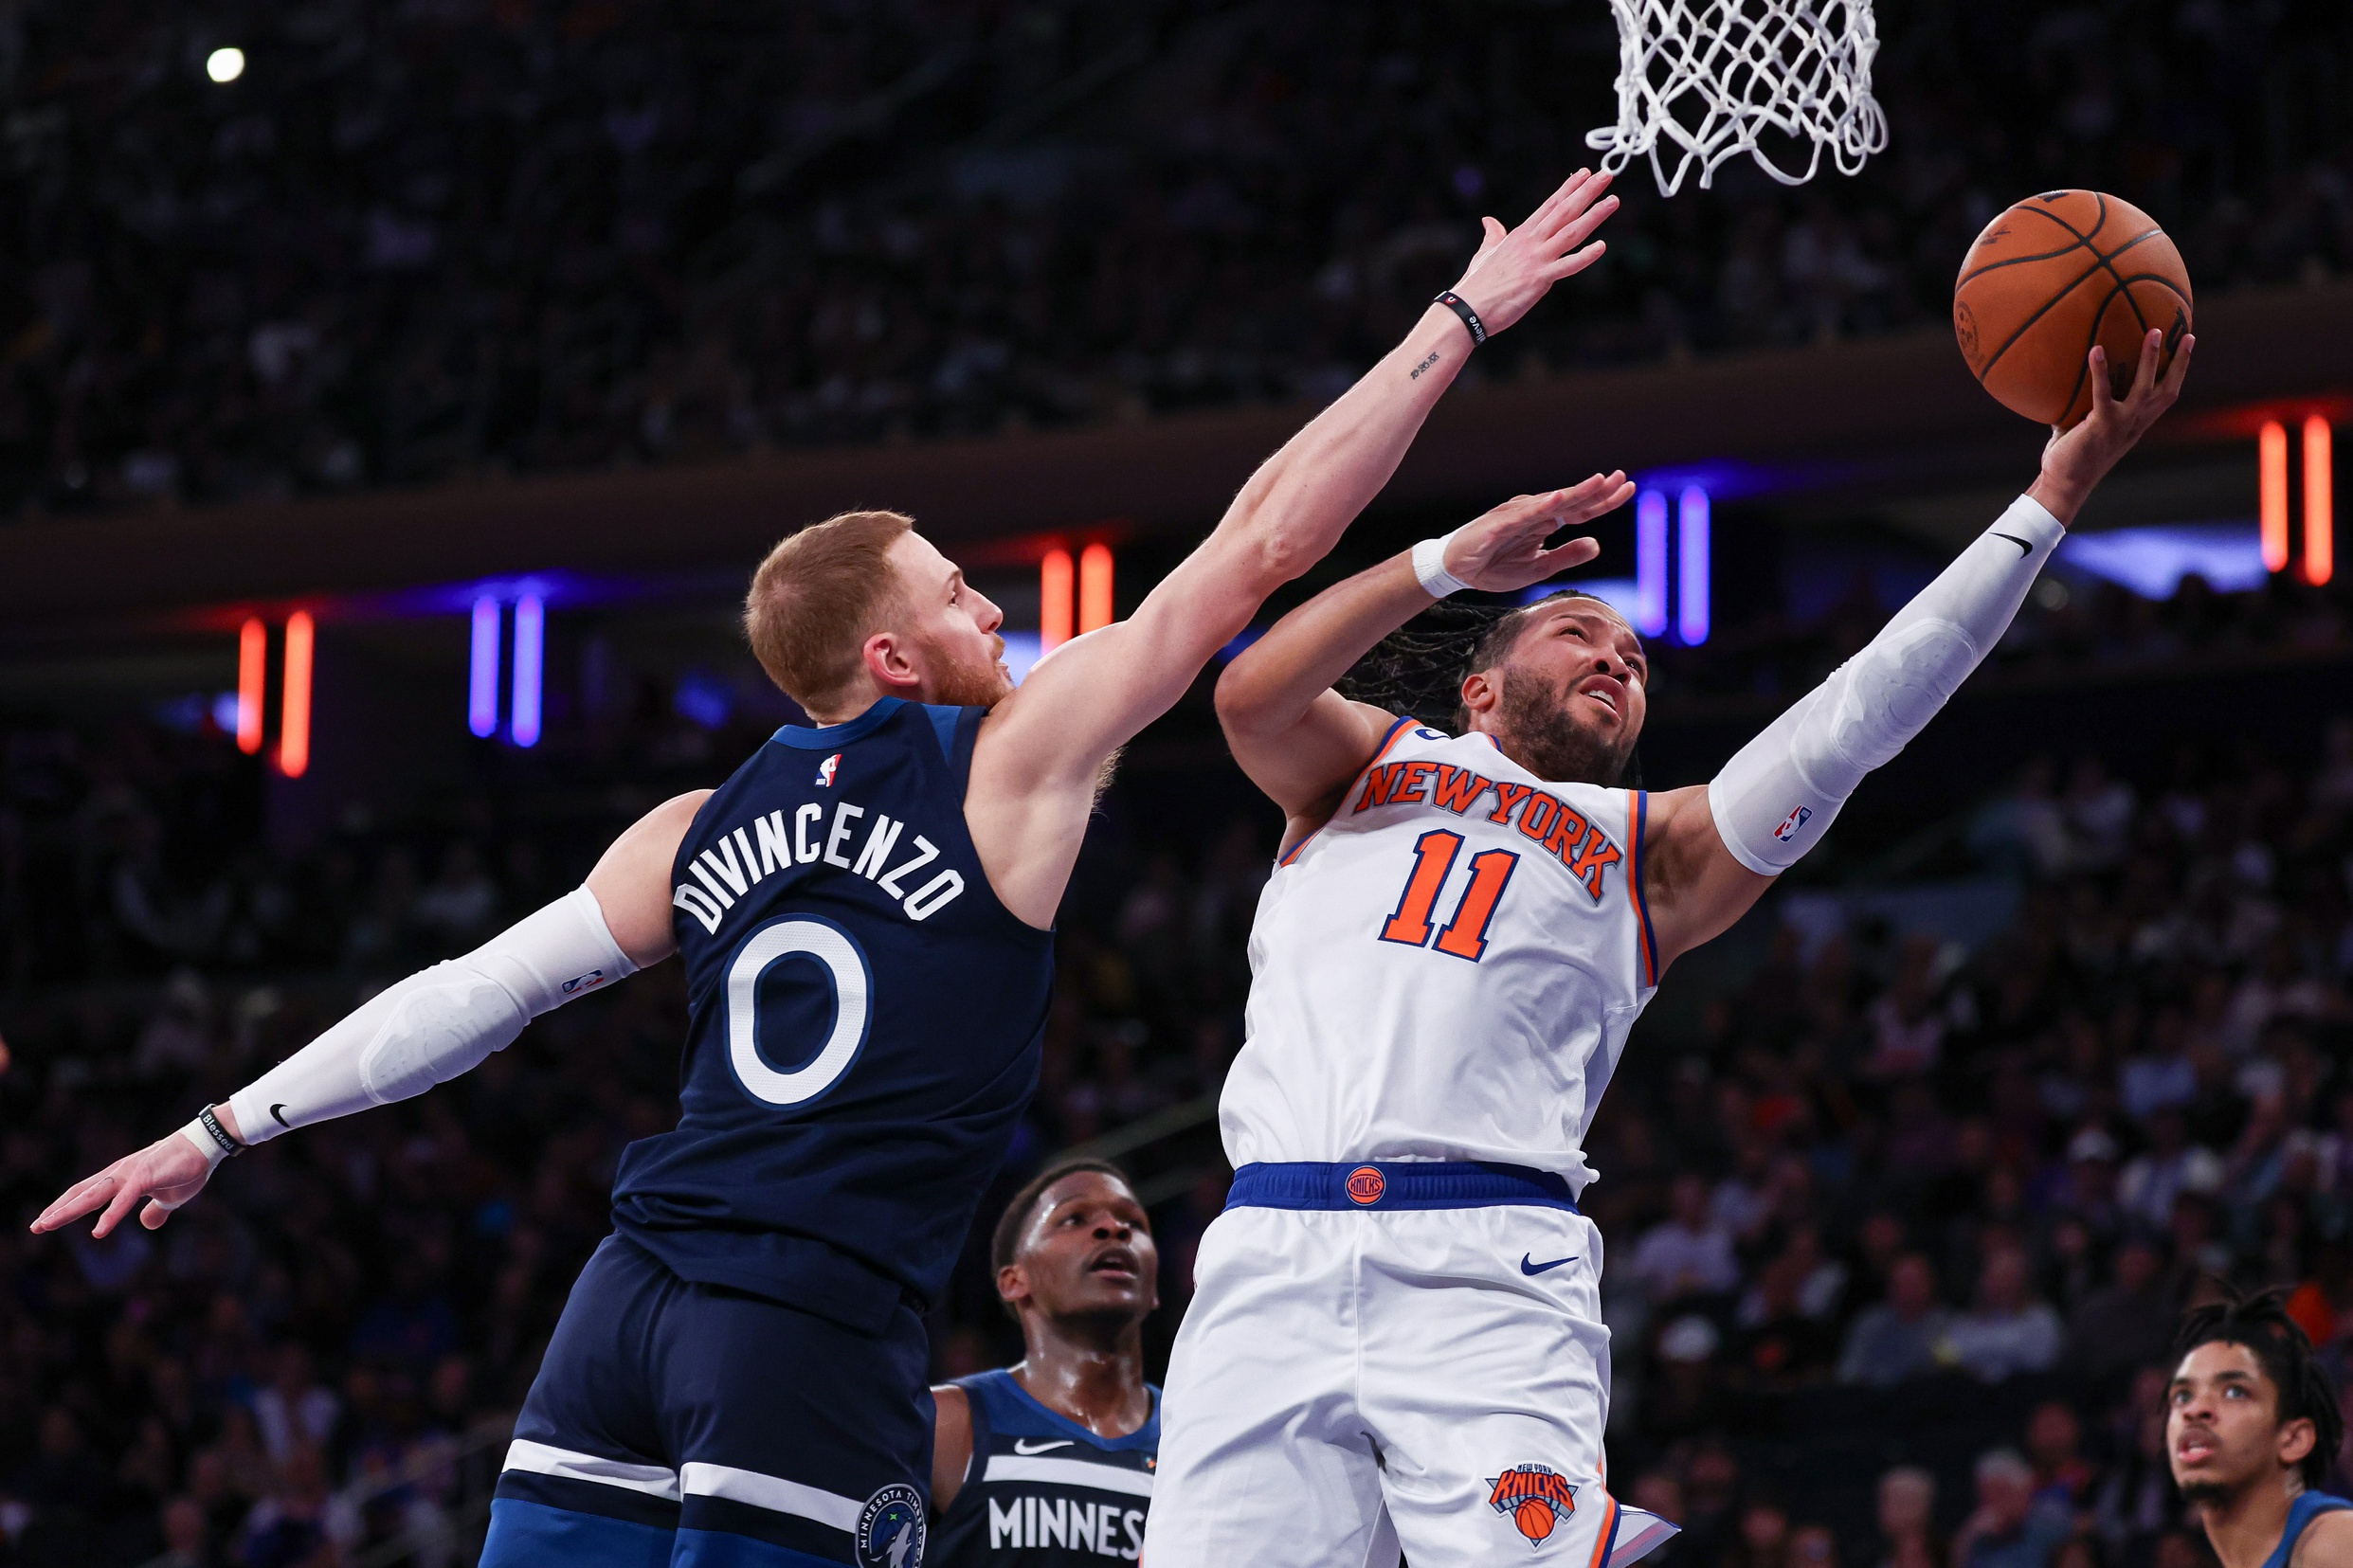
<point>1876,1169</point>
<point>422,242</point>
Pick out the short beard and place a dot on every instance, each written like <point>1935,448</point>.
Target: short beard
<point>1541,736</point>
<point>958,684</point>
<point>2208,1493</point>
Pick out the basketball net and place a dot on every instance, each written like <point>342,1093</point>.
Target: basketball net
<point>1699,81</point>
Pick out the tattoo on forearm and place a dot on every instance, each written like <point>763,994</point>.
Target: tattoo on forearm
<point>1423,366</point>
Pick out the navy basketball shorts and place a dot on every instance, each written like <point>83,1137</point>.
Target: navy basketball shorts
<point>677,1423</point>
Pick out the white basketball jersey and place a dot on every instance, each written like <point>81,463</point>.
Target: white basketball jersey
<point>1447,970</point>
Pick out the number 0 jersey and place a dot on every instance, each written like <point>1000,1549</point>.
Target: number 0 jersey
<point>864,1024</point>
<point>1447,969</point>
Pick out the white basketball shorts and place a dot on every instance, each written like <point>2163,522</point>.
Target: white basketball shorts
<point>1386,1356</point>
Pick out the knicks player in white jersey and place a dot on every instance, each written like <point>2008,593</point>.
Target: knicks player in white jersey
<point>1396,1339</point>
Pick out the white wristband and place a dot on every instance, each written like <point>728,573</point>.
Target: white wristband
<point>1430,569</point>
<point>194,1132</point>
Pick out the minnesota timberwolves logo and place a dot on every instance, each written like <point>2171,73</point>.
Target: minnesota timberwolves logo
<point>890,1532</point>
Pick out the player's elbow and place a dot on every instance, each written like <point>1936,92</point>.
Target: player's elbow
<point>1245,703</point>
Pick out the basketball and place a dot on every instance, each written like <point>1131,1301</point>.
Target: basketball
<point>1534,1518</point>
<point>2050,277</point>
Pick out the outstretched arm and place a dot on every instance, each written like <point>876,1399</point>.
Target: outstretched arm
<point>425,1030</point>
<point>1035,770</point>
<point>1299,740</point>
<point>1715,850</point>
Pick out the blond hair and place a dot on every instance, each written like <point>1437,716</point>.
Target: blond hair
<point>818,597</point>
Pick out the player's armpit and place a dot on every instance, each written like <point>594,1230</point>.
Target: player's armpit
<point>951,1444</point>
<point>631,879</point>
<point>1694,888</point>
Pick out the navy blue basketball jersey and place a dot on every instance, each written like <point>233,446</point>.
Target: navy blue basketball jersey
<point>2306,1508</point>
<point>1043,1491</point>
<point>864,1024</point>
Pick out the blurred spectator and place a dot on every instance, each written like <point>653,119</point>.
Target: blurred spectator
<point>2063,1478</point>
<point>294,1410</point>
<point>2009,1330</point>
<point>1907,1515</point>
<point>1688,1253</point>
<point>288,1528</point>
<point>1904,1336</point>
<point>2008,1529</point>
<point>2126,1322</point>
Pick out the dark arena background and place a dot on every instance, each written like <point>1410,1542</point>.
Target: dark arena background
<point>395,397</point>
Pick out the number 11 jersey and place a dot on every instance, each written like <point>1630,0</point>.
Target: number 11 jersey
<point>1447,970</point>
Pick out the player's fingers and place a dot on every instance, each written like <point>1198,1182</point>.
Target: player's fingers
<point>126,1194</point>
<point>1549,210</point>
<point>78,1200</point>
<point>1592,193</point>
<point>1490,235</point>
<point>2145,373</point>
<point>1581,229</point>
<point>1572,552</point>
<point>2103,396</point>
<point>2178,370</point>
<point>1576,262</point>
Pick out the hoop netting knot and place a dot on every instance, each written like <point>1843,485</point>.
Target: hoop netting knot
<point>1699,81</point>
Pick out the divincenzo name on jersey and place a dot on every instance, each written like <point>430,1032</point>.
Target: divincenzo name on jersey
<point>742,857</point>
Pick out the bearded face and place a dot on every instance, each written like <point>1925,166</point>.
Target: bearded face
<point>958,680</point>
<point>1542,725</point>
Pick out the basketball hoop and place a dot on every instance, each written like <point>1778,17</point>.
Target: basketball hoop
<point>1699,81</point>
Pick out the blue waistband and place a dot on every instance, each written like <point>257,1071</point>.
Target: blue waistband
<point>1396,1184</point>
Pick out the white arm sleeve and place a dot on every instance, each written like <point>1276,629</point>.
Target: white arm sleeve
<point>1775,799</point>
<point>438,1022</point>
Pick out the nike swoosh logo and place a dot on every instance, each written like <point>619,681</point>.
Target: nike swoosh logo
<point>1531,1267</point>
<point>1022,1446</point>
<point>2024,548</point>
<point>277,1110</point>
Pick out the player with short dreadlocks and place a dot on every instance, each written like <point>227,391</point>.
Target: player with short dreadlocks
<point>2252,1432</point>
<point>1396,1338</point>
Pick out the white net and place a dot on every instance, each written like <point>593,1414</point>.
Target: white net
<point>1700,80</point>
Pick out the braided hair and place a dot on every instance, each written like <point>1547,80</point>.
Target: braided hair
<point>2261,1324</point>
<point>1419,669</point>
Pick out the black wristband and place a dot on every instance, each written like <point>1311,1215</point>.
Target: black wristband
<point>1461,307</point>
<point>211,1124</point>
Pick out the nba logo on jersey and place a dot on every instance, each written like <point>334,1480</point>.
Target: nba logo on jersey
<point>891,1528</point>
<point>1789,824</point>
<point>1535,1497</point>
<point>827,769</point>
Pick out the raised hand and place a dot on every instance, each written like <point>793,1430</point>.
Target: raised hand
<point>167,1173</point>
<point>2078,458</point>
<point>1504,550</point>
<point>1514,268</point>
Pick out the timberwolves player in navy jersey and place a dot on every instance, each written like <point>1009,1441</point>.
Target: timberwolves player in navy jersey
<point>1049,1464</point>
<point>864,910</point>
<point>2253,1434</point>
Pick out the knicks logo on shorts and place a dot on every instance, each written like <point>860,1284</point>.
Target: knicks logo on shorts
<point>1366,1185</point>
<point>1535,1498</point>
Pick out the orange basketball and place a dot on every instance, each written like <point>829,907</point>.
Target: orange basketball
<point>2050,277</point>
<point>1534,1518</point>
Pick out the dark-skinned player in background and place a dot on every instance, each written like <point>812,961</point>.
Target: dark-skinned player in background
<point>1048,1463</point>
<point>2252,1431</point>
